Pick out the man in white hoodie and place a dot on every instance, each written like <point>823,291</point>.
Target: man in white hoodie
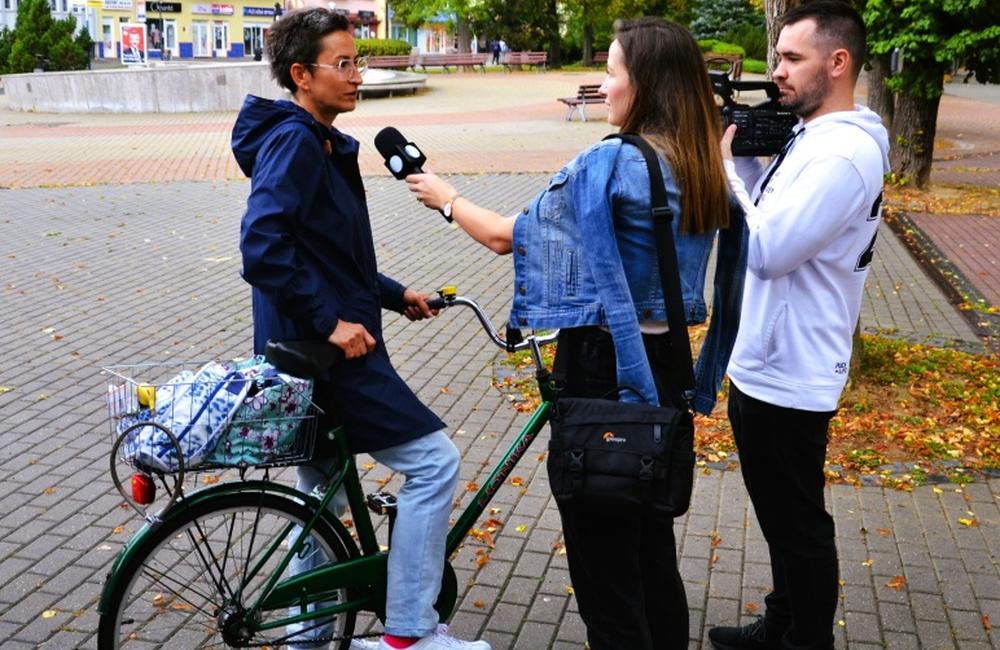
<point>813,215</point>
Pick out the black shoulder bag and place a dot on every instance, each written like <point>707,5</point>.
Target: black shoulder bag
<point>609,454</point>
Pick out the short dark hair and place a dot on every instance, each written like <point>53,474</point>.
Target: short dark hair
<point>296,39</point>
<point>837,22</point>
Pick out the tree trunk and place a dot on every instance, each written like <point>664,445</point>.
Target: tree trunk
<point>773,9</point>
<point>911,140</point>
<point>588,45</point>
<point>880,98</point>
<point>464,35</point>
<point>555,41</point>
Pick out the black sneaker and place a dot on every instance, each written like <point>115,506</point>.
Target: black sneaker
<point>756,636</point>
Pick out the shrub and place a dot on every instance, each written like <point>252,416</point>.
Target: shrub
<point>755,66</point>
<point>752,38</point>
<point>382,46</point>
<point>38,37</point>
<point>720,47</point>
<point>716,18</point>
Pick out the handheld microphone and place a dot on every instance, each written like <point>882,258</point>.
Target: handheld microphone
<point>402,158</point>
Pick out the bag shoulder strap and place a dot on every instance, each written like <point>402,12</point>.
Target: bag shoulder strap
<point>666,252</point>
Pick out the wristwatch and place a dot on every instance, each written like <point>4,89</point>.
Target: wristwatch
<point>446,208</point>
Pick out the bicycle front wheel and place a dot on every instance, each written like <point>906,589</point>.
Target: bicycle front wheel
<point>192,582</point>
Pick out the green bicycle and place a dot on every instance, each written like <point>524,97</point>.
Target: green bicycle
<point>212,568</point>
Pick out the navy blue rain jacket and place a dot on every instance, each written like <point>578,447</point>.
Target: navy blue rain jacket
<point>308,252</point>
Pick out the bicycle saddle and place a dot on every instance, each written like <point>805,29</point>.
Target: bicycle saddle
<point>306,359</point>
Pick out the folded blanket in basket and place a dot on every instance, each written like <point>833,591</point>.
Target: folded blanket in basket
<point>266,426</point>
<point>196,407</point>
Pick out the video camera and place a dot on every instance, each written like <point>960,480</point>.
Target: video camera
<point>762,130</point>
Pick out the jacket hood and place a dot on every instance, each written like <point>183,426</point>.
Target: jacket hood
<point>259,117</point>
<point>866,120</point>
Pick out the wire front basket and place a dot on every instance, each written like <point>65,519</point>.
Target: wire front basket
<point>172,417</point>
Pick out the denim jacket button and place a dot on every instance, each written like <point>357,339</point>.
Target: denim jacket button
<point>647,313</point>
<point>524,211</point>
<point>520,250</point>
<point>521,290</point>
<point>522,321</point>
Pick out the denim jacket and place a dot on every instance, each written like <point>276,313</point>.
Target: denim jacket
<point>574,267</point>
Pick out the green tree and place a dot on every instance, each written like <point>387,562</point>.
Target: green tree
<point>716,18</point>
<point>38,37</point>
<point>460,13</point>
<point>522,24</point>
<point>931,36</point>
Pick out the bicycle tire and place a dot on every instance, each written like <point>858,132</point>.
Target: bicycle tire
<point>170,593</point>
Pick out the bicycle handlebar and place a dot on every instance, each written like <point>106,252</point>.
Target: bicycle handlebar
<point>310,359</point>
<point>512,342</point>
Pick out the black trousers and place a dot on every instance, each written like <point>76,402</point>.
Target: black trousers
<point>623,565</point>
<point>782,451</point>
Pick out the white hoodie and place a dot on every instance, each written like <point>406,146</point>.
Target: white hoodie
<point>811,240</point>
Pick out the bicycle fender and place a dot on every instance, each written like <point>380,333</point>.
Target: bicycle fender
<point>196,498</point>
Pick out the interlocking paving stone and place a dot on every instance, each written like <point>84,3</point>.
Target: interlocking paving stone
<point>149,272</point>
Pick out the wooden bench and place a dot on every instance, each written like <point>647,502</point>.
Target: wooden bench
<point>731,63</point>
<point>600,58</point>
<point>453,60</point>
<point>534,59</point>
<point>398,62</point>
<point>585,94</point>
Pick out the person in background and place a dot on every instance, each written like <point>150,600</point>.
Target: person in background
<point>813,217</point>
<point>307,250</point>
<point>585,261</point>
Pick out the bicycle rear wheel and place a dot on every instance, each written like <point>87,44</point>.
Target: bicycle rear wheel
<point>181,588</point>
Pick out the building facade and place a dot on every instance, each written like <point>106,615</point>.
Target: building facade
<point>191,30</point>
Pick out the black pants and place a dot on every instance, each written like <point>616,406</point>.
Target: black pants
<point>623,565</point>
<point>782,451</point>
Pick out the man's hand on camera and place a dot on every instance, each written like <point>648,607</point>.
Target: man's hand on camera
<point>416,305</point>
<point>353,339</point>
<point>727,142</point>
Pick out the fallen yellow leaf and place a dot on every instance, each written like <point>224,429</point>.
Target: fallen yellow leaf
<point>49,613</point>
<point>521,528</point>
<point>896,583</point>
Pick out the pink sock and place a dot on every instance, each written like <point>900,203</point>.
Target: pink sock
<point>399,641</point>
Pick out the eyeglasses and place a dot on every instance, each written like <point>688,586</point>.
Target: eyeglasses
<point>345,67</point>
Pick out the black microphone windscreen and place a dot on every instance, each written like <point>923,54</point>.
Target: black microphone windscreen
<point>388,140</point>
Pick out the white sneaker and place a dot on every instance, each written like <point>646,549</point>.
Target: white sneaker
<point>441,640</point>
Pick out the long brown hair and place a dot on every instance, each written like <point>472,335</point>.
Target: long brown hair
<point>673,108</point>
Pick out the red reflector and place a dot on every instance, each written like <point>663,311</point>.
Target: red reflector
<point>143,489</point>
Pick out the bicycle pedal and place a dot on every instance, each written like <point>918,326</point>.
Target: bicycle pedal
<point>381,503</point>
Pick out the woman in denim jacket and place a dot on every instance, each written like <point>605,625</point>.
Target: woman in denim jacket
<point>585,261</point>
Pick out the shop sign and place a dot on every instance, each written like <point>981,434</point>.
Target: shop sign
<point>214,9</point>
<point>259,11</point>
<point>140,11</point>
<point>163,7</point>
<point>118,5</point>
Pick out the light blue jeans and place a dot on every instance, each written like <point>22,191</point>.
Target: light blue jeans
<point>416,557</point>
